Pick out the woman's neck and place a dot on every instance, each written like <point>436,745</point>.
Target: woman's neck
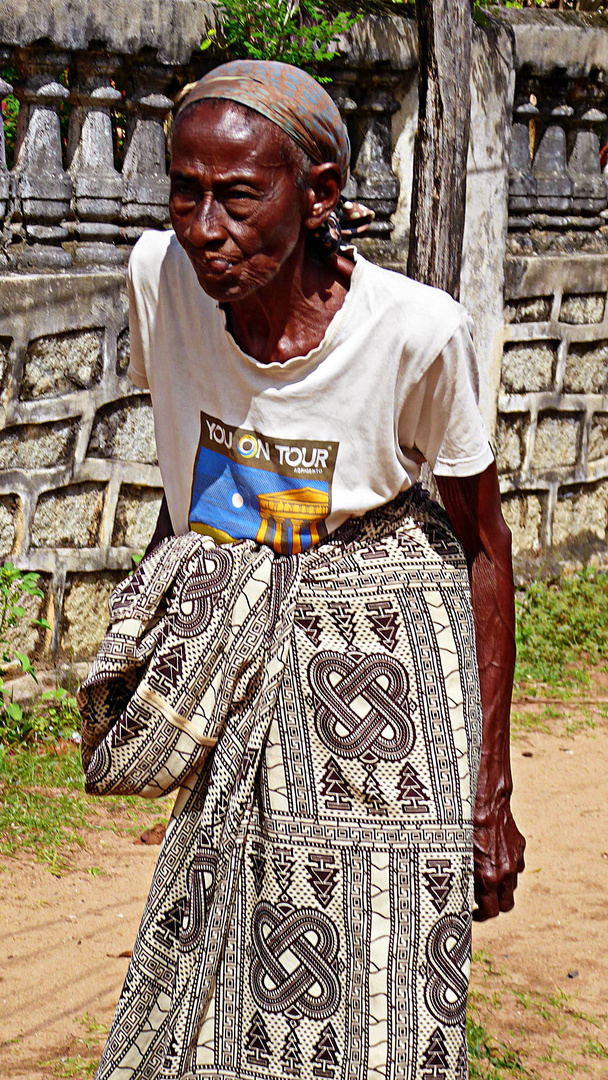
<point>290,315</point>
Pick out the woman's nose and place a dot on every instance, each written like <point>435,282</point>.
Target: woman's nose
<point>205,226</point>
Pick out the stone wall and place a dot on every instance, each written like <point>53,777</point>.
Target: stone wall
<point>552,404</point>
<point>79,484</point>
<point>552,431</point>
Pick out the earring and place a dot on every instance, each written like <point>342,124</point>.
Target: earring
<point>328,236</point>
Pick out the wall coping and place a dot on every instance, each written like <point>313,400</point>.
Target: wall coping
<point>172,28</point>
<point>544,40</point>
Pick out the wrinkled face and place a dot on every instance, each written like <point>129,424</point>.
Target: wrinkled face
<point>235,205</point>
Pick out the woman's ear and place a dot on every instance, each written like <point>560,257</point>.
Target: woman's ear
<point>323,193</point>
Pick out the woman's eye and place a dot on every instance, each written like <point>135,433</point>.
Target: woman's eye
<point>182,192</point>
<point>239,195</point>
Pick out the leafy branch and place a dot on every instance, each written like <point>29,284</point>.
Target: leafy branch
<point>298,32</point>
<point>15,584</point>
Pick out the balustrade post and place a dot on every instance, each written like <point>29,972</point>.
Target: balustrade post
<point>5,178</point>
<point>589,195</point>
<point>376,183</point>
<point>550,166</point>
<point>522,183</point>
<point>341,89</point>
<point>146,184</point>
<point>44,188</point>
<point>97,184</point>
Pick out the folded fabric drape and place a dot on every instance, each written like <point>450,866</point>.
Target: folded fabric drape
<point>310,910</point>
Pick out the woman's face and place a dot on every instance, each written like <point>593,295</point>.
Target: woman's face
<point>235,205</point>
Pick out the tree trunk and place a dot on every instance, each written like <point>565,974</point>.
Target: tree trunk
<point>442,142</point>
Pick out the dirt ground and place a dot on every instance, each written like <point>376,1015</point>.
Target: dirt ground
<point>63,939</point>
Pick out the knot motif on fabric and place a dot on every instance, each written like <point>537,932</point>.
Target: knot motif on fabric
<point>448,952</point>
<point>362,705</point>
<point>311,937</point>
<point>202,878</point>
<point>207,575</point>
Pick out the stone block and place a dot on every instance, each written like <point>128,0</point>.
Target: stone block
<point>136,515</point>
<point>4,347</point>
<point>9,508</point>
<point>557,441</point>
<point>85,612</point>
<point>509,443</point>
<point>38,446</point>
<point>68,517</point>
<point>124,431</point>
<point>584,308</point>
<point>586,369</point>
<point>598,438</point>
<point>123,352</point>
<point>528,309</point>
<point>528,365</point>
<point>523,514</point>
<point>581,514</point>
<point>61,363</point>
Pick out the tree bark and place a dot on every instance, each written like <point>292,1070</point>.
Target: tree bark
<point>442,142</point>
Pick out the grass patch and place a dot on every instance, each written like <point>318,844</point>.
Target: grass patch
<point>525,722</point>
<point>595,1048</point>
<point>562,627</point>
<point>551,1038</point>
<point>489,1060</point>
<point>75,1066</point>
<point>43,807</point>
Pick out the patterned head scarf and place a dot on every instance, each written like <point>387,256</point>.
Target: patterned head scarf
<point>288,97</point>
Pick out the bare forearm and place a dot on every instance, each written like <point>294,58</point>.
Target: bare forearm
<point>164,527</point>
<point>494,613</point>
<point>473,505</point>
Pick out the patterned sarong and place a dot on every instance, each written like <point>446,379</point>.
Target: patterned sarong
<point>310,911</point>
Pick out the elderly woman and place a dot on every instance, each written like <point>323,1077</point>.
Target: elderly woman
<point>312,690</point>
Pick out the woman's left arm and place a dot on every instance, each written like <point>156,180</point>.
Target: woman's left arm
<point>473,507</point>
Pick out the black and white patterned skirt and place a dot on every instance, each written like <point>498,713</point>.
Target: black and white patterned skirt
<point>310,913</point>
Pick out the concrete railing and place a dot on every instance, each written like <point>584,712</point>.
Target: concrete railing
<point>90,159</point>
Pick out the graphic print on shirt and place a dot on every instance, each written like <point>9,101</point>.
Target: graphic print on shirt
<point>249,486</point>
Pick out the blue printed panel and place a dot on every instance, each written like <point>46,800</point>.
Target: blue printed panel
<point>248,486</point>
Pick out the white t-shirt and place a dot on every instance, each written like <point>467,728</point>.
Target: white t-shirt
<point>285,452</point>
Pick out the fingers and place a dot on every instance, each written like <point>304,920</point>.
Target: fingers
<point>494,898</point>
<point>499,859</point>
<point>487,907</point>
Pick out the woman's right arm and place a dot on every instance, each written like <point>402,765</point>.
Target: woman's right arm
<point>164,527</point>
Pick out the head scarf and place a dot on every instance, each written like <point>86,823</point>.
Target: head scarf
<point>288,97</point>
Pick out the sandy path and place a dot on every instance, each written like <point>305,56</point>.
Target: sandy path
<point>60,937</point>
<point>559,925</point>
<point>60,940</point>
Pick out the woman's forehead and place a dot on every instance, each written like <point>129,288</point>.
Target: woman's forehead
<point>209,125</point>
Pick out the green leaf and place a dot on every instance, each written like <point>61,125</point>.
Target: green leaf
<point>13,710</point>
<point>26,665</point>
<point>206,42</point>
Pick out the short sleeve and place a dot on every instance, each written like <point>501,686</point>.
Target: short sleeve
<point>450,432</point>
<point>137,363</point>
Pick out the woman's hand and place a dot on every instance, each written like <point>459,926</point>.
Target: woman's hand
<point>498,850</point>
<point>473,507</point>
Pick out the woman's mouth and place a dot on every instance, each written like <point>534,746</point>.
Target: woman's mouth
<point>218,264</point>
